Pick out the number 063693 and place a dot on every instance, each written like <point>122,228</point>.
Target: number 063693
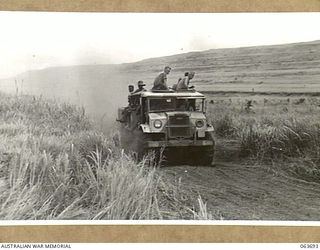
<point>309,246</point>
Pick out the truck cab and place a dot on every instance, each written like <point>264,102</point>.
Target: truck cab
<point>170,120</point>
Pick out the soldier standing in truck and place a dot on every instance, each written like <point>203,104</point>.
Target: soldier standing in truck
<point>160,82</point>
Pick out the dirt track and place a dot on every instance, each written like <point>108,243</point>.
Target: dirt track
<point>238,191</point>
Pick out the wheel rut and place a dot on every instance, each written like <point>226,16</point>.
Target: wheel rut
<point>237,191</point>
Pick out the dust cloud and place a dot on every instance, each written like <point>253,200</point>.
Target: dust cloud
<point>100,89</point>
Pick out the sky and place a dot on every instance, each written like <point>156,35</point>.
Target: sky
<point>37,40</point>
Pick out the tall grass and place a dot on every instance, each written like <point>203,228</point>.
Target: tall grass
<point>275,131</point>
<point>295,137</point>
<point>55,165</point>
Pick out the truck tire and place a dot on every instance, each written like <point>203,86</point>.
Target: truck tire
<point>138,144</point>
<point>205,155</point>
<point>124,137</point>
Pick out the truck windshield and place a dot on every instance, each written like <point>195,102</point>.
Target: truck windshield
<point>176,104</point>
<point>162,104</point>
<point>190,104</point>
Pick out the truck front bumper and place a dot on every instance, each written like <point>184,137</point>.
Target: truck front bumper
<point>179,143</point>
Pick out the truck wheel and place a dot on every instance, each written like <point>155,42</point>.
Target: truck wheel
<point>205,156</point>
<point>138,144</point>
<point>140,149</point>
<point>124,138</point>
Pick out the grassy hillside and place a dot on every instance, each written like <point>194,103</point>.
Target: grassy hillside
<point>273,64</point>
<point>102,88</point>
<point>54,165</point>
<point>278,64</point>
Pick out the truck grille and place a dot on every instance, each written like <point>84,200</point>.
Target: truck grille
<point>181,119</point>
<point>179,126</point>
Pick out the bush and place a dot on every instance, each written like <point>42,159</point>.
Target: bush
<point>224,126</point>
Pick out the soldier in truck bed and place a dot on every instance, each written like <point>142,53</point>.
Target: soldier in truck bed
<point>183,84</point>
<point>160,82</point>
<point>140,87</point>
<point>133,103</point>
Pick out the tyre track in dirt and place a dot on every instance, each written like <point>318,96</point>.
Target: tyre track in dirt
<point>247,192</point>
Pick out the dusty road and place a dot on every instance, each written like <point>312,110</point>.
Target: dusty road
<point>239,191</point>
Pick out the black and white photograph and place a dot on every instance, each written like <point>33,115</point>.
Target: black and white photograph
<point>159,116</point>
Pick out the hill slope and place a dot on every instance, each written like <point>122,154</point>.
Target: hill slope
<point>102,88</point>
<point>279,64</point>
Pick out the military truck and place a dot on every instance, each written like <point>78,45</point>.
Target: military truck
<point>172,122</point>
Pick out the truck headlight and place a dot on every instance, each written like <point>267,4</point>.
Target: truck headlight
<point>157,124</point>
<point>199,123</point>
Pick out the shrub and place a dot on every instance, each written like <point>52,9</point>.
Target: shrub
<point>224,126</point>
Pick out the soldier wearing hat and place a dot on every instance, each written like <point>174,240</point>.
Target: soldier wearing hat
<point>140,87</point>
